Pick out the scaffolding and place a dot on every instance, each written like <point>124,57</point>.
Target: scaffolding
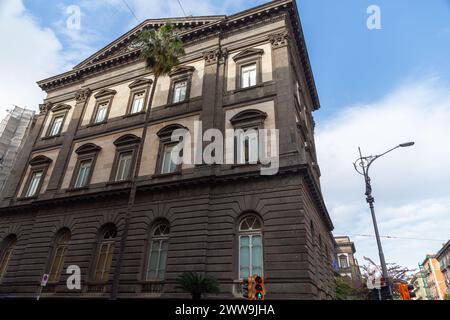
<point>13,131</point>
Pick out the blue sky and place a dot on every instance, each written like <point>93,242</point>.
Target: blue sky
<point>377,88</point>
<point>351,63</point>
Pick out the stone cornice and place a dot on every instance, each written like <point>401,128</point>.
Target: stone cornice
<point>303,169</point>
<point>119,52</point>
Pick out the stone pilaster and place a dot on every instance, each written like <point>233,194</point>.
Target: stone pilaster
<point>81,97</point>
<point>284,101</point>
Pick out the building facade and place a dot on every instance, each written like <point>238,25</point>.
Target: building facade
<point>347,264</point>
<point>434,277</point>
<point>81,193</point>
<point>443,257</point>
<point>420,286</point>
<point>13,131</point>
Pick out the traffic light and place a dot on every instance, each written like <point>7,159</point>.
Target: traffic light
<point>247,288</point>
<point>412,294</point>
<point>259,288</point>
<point>404,292</point>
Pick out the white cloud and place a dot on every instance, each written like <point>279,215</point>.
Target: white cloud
<point>410,185</point>
<point>29,53</point>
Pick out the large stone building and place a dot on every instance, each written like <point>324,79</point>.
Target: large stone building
<point>434,277</point>
<point>14,128</point>
<point>81,195</point>
<point>418,280</point>
<point>443,257</point>
<point>347,264</point>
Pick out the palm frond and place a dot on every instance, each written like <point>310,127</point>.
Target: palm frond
<point>160,49</point>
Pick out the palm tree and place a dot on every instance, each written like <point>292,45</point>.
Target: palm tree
<point>161,50</point>
<point>197,284</point>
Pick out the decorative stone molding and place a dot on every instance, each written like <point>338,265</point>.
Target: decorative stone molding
<point>181,70</point>
<point>279,40</point>
<point>61,107</point>
<point>82,95</point>
<point>88,148</point>
<point>140,83</point>
<point>215,56</point>
<point>248,53</point>
<point>105,93</point>
<point>44,107</point>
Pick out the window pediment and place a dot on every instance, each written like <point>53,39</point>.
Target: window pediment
<point>248,116</point>
<point>61,107</point>
<point>105,93</point>
<point>253,52</point>
<point>182,70</point>
<point>127,140</point>
<point>88,148</point>
<point>167,130</point>
<point>40,160</point>
<point>140,82</point>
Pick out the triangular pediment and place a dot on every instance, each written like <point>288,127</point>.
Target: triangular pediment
<point>105,93</point>
<point>181,70</point>
<point>124,44</point>
<point>140,82</point>
<point>248,53</point>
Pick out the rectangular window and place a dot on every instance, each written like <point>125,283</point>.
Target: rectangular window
<point>84,170</point>
<point>248,75</point>
<point>249,147</point>
<point>343,261</point>
<point>138,103</point>
<point>250,256</point>
<point>168,166</point>
<point>158,259</point>
<point>33,186</point>
<point>56,126</point>
<point>124,166</point>
<point>179,91</point>
<point>102,110</point>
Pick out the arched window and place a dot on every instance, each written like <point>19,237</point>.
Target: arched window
<point>157,256</point>
<point>6,251</point>
<point>343,261</point>
<point>59,254</point>
<point>105,253</point>
<point>250,247</point>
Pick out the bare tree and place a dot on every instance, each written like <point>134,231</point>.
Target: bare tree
<point>396,272</point>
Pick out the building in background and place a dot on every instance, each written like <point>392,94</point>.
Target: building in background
<point>420,286</point>
<point>443,257</point>
<point>68,199</point>
<point>434,277</point>
<point>13,131</point>
<point>346,262</point>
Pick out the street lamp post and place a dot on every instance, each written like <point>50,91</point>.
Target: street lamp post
<point>362,165</point>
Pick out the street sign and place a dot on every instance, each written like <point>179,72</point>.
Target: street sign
<point>44,279</point>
